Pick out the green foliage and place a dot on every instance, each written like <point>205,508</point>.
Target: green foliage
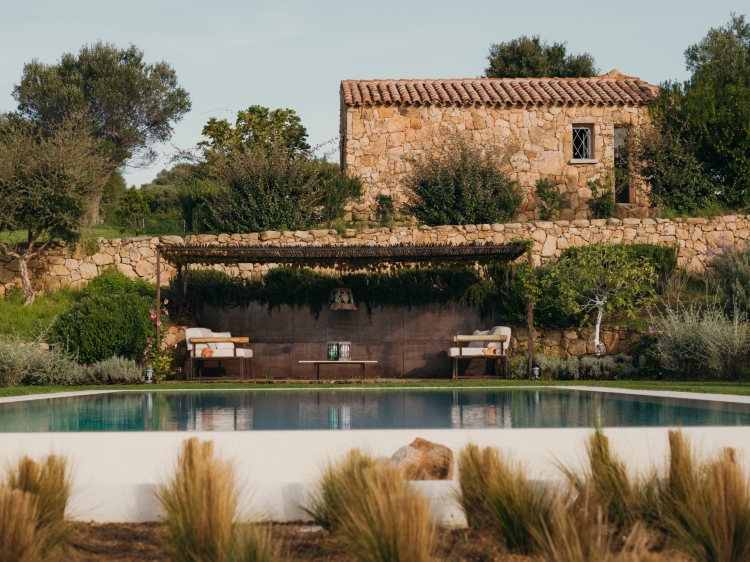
<point>667,161</point>
<point>112,194</point>
<point>531,58</point>
<point>259,129</point>
<point>338,189</point>
<point>194,198</point>
<point>609,367</point>
<point>704,120</point>
<point>28,364</point>
<point>601,278</point>
<point>134,211</point>
<point>46,176</point>
<point>112,319</point>
<point>129,104</point>
<point>552,201</point>
<point>459,182</point>
<point>602,201</point>
<point>385,210</point>
<point>265,191</point>
<point>732,275</point>
<point>115,370</point>
<point>662,258</point>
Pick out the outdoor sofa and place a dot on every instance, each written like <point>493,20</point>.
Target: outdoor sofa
<point>221,350</point>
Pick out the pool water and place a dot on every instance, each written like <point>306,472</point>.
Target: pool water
<point>237,410</point>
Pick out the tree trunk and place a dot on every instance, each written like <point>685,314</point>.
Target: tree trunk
<point>596,331</point>
<point>28,291</point>
<point>92,211</point>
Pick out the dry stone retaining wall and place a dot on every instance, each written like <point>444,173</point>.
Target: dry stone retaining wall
<point>697,238</point>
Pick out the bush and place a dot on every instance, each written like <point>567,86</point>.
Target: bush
<point>732,275</point>
<point>111,283</point>
<point>552,201</point>
<point>115,370</point>
<point>100,327</point>
<point>608,367</point>
<point>263,191</point>
<point>460,183</point>
<point>602,201</point>
<point>28,364</point>
<point>385,210</point>
<point>18,516</point>
<point>663,258</point>
<point>338,189</point>
<point>693,341</point>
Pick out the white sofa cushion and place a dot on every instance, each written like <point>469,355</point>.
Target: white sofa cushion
<point>479,343</point>
<point>222,345</point>
<point>500,331</point>
<point>191,333</point>
<point>467,352</point>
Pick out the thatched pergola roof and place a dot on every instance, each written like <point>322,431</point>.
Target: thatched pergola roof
<point>341,255</point>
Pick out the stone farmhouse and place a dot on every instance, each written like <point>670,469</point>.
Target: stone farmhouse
<point>567,130</point>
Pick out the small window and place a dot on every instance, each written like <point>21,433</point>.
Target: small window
<point>582,143</point>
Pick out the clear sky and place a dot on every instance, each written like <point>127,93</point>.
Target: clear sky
<point>230,54</point>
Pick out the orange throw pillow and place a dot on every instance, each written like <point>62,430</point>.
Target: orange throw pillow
<point>490,351</point>
<point>207,352</point>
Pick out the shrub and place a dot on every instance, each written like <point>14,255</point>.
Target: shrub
<point>732,275</point>
<point>100,327</point>
<point>385,209</point>
<point>28,364</point>
<point>662,258</point>
<point>602,201</point>
<point>461,183</point>
<point>111,283</point>
<point>115,370</point>
<point>693,341</point>
<point>379,515</point>
<point>338,189</point>
<point>607,367</point>
<point>552,201</point>
<point>200,505</point>
<point>49,484</point>
<point>477,468</point>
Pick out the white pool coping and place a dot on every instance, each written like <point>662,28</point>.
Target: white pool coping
<point>655,393</point>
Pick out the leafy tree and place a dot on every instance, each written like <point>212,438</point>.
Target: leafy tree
<point>703,122</point>
<point>459,182</point>
<point>531,58</point>
<point>112,194</point>
<point>259,128</point>
<point>385,209</point>
<point>129,104</point>
<point>600,278</point>
<point>46,177</point>
<point>194,198</point>
<point>134,210</point>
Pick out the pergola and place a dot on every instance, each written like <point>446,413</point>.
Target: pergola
<point>342,257</point>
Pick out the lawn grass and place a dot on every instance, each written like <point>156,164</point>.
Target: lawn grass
<point>698,387</point>
<point>28,322</point>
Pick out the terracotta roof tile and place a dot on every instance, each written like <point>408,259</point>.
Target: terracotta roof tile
<point>605,89</point>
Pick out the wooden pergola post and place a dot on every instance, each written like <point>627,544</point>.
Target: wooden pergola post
<point>530,312</point>
<point>158,295</point>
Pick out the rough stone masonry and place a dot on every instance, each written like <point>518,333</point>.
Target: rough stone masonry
<point>698,239</point>
<point>387,124</point>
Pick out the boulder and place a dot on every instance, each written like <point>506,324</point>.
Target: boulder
<point>424,460</point>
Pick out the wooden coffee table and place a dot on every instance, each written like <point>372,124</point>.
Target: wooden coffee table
<point>342,362</point>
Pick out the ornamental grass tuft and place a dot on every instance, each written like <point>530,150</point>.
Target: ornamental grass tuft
<point>495,493</point>
<point>35,495</point>
<point>202,517</point>
<point>379,515</point>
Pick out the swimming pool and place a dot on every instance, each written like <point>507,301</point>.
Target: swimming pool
<point>238,410</point>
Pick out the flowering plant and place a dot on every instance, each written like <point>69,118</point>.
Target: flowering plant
<point>160,357</point>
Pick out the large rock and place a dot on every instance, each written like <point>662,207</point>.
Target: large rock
<point>424,460</point>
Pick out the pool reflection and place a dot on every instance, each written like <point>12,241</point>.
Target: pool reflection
<point>242,410</point>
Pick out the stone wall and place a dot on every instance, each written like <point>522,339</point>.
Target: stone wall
<point>697,238</point>
<point>380,143</point>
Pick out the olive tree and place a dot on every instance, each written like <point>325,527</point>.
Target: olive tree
<point>46,177</point>
<point>601,279</point>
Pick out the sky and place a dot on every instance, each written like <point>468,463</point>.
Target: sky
<point>231,54</point>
